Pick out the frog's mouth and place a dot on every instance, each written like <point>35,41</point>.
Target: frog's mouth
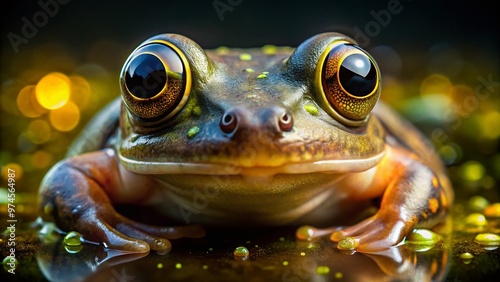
<point>326,166</point>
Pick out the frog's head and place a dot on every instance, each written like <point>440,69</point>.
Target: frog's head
<point>252,111</point>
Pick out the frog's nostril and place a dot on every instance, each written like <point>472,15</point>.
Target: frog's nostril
<point>285,122</point>
<point>229,122</point>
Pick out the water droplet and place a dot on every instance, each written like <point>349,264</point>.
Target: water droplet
<point>73,238</point>
<point>466,257</point>
<point>477,203</point>
<point>347,244</point>
<point>73,249</point>
<point>305,232</point>
<point>476,219</point>
<point>10,263</point>
<point>487,239</point>
<point>322,270</point>
<point>422,237</point>
<point>241,252</point>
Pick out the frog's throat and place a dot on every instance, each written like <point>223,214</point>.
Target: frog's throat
<point>326,166</point>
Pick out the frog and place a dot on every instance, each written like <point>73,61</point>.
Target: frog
<point>253,138</point>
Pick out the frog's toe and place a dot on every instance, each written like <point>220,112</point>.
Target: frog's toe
<point>371,235</point>
<point>156,243</point>
<point>115,240</point>
<point>156,236</point>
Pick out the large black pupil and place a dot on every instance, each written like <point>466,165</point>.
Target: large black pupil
<point>146,76</point>
<point>357,75</point>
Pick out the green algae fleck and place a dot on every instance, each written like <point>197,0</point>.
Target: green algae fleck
<point>193,131</point>
<point>312,109</point>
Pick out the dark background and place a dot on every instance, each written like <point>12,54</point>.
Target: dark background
<point>419,26</point>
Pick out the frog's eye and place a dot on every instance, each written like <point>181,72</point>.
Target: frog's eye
<point>156,81</point>
<point>349,82</point>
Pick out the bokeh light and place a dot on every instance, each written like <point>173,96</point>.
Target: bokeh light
<point>38,131</point>
<point>53,90</point>
<point>472,171</point>
<point>435,84</point>
<point>41,159</point>
<point>80,91</point>
<point>28,104</point>
<point>65,118</point>
<point>490,125</point>
<point>13,166</point>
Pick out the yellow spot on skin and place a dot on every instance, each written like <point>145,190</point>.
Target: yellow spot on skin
<point>434,266</point>
<point>249,70</point>
<point>262,75</point>
<point>193,131</point>
<point>338,275</point>
<point>178,265</point>
<point>302,254</point>
<point>285,263</point>
<point>443,199</point>
<point>48,208</point>
<point>312,109</point>
<point>435,182</point>
<point>245,57</point>
<point>433,205</point>
<point>269,49</point>
<point>222,50</point>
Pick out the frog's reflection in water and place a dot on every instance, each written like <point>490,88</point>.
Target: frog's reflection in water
<point>280,260</point>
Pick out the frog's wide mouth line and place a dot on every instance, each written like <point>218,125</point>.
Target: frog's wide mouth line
<point>326,166</point>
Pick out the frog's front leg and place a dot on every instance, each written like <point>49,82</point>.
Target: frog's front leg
<point>78,194</point>
<point>414,197</point>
